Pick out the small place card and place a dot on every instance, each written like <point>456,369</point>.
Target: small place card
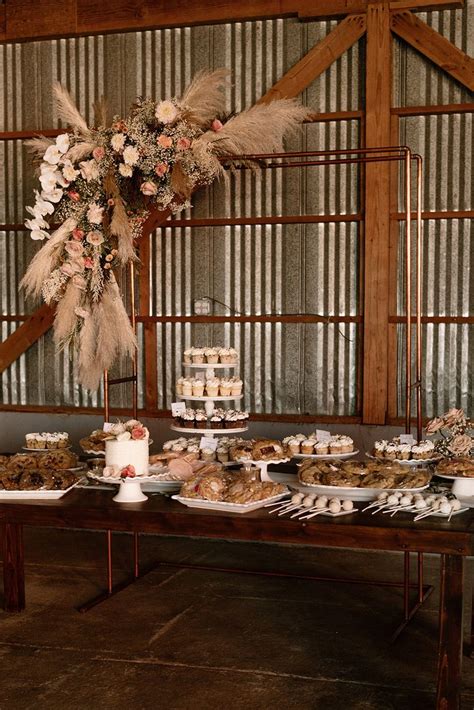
<point>407,439</point>
<point>178,408</point>
<point>322,435</point>
<point>108,426</point>
<point>200,375</point>
<point>208,442</point>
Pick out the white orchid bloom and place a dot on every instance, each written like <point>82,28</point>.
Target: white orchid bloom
<point>42,205</point>
<point>62,143</point>
<point>47,168</point>
<point>48,181</point>
<point>52,155</point>
<point>38,223</point>
<point>39,235</point>
<point>61,180</point>
<point>53,195</point>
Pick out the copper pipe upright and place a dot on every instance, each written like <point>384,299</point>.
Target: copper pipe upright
<point>408,377</point>
<point>419,284</point>
<point>133,319</point>
<point>106,395</point>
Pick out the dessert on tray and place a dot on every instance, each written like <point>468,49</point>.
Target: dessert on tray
<point>394,450</point>
<point>312,445</point>
<point>229,488</point>
<point>259,450</point>
<point>355,474</point>
<point>223,453</point>
<point>95,441</point>
<point>51,460</point>
<point>47,440</point>
<point>210,356</point>
<point>35,479</point>
<point>462,467</point>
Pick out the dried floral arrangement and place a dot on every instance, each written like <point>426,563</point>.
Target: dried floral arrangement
<point>454,428</point>
<point>99,184</point>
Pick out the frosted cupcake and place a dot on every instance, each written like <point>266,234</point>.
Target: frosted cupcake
<point>179,385</point>
<point>236,387</point>
<point>31,440</point>
<point>391,452</point>
<point>216,421</point>
<point>211,355</point>
<point>201,419</point>
<point>188,356</point>
<point>225,388</point>
<point>321,448</point>
<point>380,448</point>
<point>231,419</point>
<point>293,446</point>
<point>41,441</point>
<point>403,452</point>
<point>222,454</point>
<point>208,454</point>
<point>52,441</point>
<point>212,387</point>
<point>188,418</point>
<point>198,356</point>
<point>63,439</point>
<point>187,387</point>
<point>198,388</point>
<point>347,444</point>
<point>225,356</point>
<point>307,446</point>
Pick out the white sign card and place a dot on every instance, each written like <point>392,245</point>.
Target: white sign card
<point>200,375</point>
<point>178,408</point>
<point>407,439</point>
<point>322,435</point>
<point>108,426</point>
<point>208,442</point>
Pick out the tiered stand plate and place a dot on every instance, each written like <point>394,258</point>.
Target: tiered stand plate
<point>326,457</point>
<point>263,466</point>
<point>227,398</point>
<point>210,365</point>
<point>207,432</point>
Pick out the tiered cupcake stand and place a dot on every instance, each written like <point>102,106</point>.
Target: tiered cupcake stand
<point>209,402</point>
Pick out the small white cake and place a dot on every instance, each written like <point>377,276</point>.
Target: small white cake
<point>128,453</point>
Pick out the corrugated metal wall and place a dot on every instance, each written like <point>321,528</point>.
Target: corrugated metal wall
<point>259,269</point>
<point>289,269</point>
<point>446,143</point>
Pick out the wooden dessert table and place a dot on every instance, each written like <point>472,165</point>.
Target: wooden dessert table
<point>95,510</point>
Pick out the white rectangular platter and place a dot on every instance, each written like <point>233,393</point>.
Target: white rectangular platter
<point>228,507</point>
<point>356,494</point>
<point>40,494</point>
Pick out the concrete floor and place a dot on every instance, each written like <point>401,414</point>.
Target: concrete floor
<point>190,640</point>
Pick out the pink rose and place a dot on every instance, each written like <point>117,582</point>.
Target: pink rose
<point>216,125</point>
<point>74,248</point>
<point>88,262</point>
<point>161,169</point>
<point>95,238</point>
<point>183,143</point>
<point>77,234</point>
<point>128,472</point>
<point>98,153</point>
<point>148,188</point>
<point>74,196</point>
<point>67,269</point>
<point>165,141</point>
<point>138,432</point>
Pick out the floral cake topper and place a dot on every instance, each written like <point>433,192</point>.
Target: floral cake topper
<point>453,427</point>
<point>99,184</point>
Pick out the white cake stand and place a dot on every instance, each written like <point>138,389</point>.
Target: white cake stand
<point>263,466</point>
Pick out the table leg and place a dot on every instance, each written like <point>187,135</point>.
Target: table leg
<point>450,632</point>
<point>13,568</point>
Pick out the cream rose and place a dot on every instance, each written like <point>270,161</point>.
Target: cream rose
<point>148,188</point>
<point>95,213</point>
<point>461,445</point>
<point>75,249</point>
<point>95,238</point>
<point>89,170</point>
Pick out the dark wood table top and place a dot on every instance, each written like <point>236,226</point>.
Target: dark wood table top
<point>95,510</point>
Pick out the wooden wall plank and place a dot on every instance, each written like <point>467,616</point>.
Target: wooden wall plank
<point>377,215</point>
<point>318,59</point>
<point>25,335</point>
<point>30,19</point>
<point>437,48</point>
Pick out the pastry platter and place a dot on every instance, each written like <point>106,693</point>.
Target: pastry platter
<point>352,493</point>
<point>326,457</point>
<point>228,507</point>
<point>38,494</point>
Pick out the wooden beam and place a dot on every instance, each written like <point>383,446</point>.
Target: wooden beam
<point>436,110</point>
<point>318,59</point>
<point>434,46</point>
<point>377,216</point>
<point>27,19</point>
<point>25,335</point>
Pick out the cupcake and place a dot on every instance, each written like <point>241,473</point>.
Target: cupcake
<point>225,388</point>
<point>188,418</point>
<point>307,446</point>
<point>233,354</point>
<point>179,385</point>
<point>216,421</point>
<point>198,388</point>
<point>188,386</point>
<point>198,356</point>
<point>222,454</point>
<point>208,454</point>
<point>380,448</point>
<point>212,387</point>
<point>231,419</point>
<point>30,441</point>
<point>391,452</point>
<point>293,445</point>
<point>403,452</point>
<point>236,387</point>
<point>193,449</point>
<point>347,444</point>
<point>211,355</point>
<point>225,356</point>
<point>335,445</point>
<point>321,447</point>
<point>188,356</point>
<point>201,419</point>
<point>63,437</point>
